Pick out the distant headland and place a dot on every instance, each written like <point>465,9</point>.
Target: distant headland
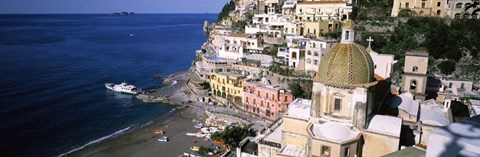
<point>122,13</point>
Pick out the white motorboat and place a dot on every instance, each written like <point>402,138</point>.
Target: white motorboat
<point>123,88</point>
<point>163,139</point>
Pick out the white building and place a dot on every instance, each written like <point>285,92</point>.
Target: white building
<point>457,139</point>
<point>314,51</point>
<point>275,25</point>
<point>383,63</point>
<point>236,45</point>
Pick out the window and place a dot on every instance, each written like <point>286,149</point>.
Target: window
<point>423,4</point>
<point>261,103</point>
<point>346,34</point>
<point>414,69</point>
<point>266,95</point>
<point>254,101</point>
<point>450,85</point>
<point>375,67</point>
<point>285,99</point>
<point>273,97</point>
<point>309,52</point>
<point>325,151</point>
<point>258,93</point>
<point>246,99</point>
<point>294,55</point>
<point>407,5</point>
<point>315,62</point>
<point>462,86</point>
<point>439,4</point>
<point>309,61</point>
<point>439,12</point>
<point>413,84</point>
<point>458,5</point>
<point>337,105</point>
<point>279,105</point>
<point>268,104</point>
<point>315,53</point>
<point>347,151</point>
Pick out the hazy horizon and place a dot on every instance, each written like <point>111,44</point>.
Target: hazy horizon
<point>110,6</point>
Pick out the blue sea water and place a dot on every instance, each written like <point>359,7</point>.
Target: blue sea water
<point>52,70</point>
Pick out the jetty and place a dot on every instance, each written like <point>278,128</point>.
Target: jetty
<point>167,94</point>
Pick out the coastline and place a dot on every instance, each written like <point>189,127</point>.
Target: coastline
<point>143,141</point>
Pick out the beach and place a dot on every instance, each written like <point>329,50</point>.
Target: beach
<point>143,141</point>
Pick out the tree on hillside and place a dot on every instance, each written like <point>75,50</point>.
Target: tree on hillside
<point>296,89</point>
<point>227,8</point>
<point>447,67</point>
<point>231,136</point>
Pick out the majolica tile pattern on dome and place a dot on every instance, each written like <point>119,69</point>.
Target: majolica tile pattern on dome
<point>346,64</point>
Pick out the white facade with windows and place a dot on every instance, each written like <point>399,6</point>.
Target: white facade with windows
<point>314,51</point>
<point>236,45</point>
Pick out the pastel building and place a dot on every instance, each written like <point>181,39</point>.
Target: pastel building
<point>227,86</point>
<point>422,7</point>
<point>318,17</point>
<point>264,100</point>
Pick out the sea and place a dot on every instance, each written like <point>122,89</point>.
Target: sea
<point>53,69</point>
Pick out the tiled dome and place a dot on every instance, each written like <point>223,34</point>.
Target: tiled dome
<point>346,64</point>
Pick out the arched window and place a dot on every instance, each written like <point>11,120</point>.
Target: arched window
<point>467,5</point>
<point>474,16</point>
<point>315,62</point>
<point>414,69</point>
<point>413,84</point>
<point>315,53</point>
<point>466,16</point>
<point>309,52</point>
<point>439,12</point>
<point>458,5</point>
<point>309,61</point>
<point>294,55</point>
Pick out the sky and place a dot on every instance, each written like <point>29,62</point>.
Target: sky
<point>110,6</point>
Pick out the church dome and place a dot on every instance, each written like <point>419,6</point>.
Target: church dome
<point>346,64</point>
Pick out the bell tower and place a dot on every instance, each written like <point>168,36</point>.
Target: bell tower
<point>414,78</point>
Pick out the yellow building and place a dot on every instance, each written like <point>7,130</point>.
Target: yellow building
<point>422,7</point>
<point>317,17</point>
<point>228,86</point>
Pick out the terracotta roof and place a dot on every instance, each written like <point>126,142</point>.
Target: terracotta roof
<point>321,2</point>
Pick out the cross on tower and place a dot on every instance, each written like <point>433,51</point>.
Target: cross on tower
<point>369,41</point>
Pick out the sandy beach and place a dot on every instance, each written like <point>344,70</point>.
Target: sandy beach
<point>143,142</point>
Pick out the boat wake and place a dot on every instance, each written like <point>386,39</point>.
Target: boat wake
<point>95,141</point>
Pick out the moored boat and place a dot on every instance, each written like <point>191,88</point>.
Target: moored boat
<point>123,88</point>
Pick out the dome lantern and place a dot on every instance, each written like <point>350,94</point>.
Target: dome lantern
<point>348,33</point>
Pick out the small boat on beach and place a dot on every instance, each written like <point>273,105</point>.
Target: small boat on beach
<point>123,88</point>
<point>163,139</point>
